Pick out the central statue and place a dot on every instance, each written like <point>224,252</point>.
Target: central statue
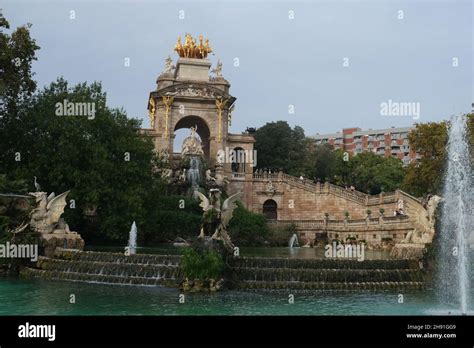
<point>191,49</point>
<point>217,215</point>
<point>192,145</point>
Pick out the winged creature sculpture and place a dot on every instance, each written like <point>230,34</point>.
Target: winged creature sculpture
<point>46,217</point>
<point>217,215</point>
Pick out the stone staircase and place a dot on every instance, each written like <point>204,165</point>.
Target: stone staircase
<point>327,274</point>
<point>111,268</point>
<point>248,272</point>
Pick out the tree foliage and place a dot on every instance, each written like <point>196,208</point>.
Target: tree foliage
<point>247,228</point>
<point>87,156</point>
<point>279,146</point>
<point>426,176</point>
<point>18,51</point>
<point>430,140</point>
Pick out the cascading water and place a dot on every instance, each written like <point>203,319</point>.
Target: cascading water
<point>456,219</point>
<point>194,172</point>
<point>293,241</point>
<point>132,240</point>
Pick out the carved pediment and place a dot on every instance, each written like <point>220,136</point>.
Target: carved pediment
<point>270,190</point>
<point>194,90</point>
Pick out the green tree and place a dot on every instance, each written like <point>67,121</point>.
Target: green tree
<point>247,228</point>
<point>18,51</point>
<point>372,173</point>
<point>104,161</point>
<point>170,217</point>
<point>279,146</point>
<point>324,161</point>
<point>429,139</point>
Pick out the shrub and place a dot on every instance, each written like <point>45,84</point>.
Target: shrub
<point>202,265</point>
<point>247,228</point>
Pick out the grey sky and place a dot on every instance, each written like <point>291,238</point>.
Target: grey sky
<point>282,61</point>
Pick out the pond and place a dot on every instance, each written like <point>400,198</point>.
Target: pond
<point>41,297</point>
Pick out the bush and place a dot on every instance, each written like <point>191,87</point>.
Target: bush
<point>167,220</point>
<point>247,228</point>
<point>202,265</point>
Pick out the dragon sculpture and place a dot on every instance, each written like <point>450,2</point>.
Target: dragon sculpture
<point>46,217</point>
<point>217,215</point>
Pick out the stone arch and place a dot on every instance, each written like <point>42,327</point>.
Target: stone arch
<point>202,130</point>
<point>270,209</point>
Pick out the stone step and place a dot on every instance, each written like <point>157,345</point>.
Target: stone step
<point>329,275</point>
<point>330,285</point>
<point>277,263</point>
<point>157,271</point>
<point>143,259</point>
<point>94,278</point>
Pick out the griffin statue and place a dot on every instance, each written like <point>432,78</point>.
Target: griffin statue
<point>217,215</point>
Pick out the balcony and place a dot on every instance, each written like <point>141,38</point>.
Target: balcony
<point>395,151</point>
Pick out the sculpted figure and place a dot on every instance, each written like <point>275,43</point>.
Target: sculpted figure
<point>217,215</point>
<point>46,217</point>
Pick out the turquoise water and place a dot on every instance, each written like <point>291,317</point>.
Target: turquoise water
<point>39,297</point>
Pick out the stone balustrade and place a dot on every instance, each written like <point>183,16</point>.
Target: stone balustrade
<point>326,224</point>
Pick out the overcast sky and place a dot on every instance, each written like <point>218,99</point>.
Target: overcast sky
<point>283,61</point>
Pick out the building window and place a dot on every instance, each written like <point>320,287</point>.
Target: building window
<point>375,236</point>
<point>394,236</point>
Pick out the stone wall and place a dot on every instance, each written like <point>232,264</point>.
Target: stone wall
<point>308,201</point>
<point>306,204</point>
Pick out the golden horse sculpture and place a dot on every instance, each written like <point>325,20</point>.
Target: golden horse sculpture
<point>192,50</point>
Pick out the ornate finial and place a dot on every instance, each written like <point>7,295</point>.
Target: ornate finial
<point>218,69</point>
<point>169,67</point>
<point>191,49</point>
